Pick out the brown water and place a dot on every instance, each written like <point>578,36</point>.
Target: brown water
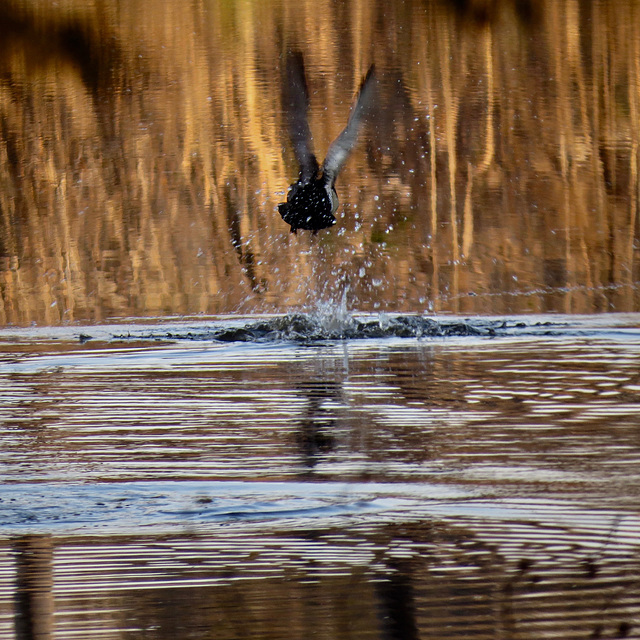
<point>294,467</point>
<point>482,483</point>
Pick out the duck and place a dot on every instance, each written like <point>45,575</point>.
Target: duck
<point>312,199</point>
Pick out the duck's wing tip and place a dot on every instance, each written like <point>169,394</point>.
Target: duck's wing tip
<point>340,148</point>
<point>295,101</point>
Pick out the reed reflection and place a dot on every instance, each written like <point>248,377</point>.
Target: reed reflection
<point>144,150</point>
<point>397,609</point>
<point>34,603</point>
<point>453,576</point>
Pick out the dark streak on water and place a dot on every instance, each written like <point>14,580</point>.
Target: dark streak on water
<point>305,328</point>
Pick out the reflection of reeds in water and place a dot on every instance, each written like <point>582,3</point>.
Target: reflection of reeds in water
<point>143,153</point>
<point>544,156</point>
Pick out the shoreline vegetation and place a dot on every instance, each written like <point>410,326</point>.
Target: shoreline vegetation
<point>143,152</point>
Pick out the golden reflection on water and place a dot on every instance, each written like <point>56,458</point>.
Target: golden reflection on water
<point>143,151</point>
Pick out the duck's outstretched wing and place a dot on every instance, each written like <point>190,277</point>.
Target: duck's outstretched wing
<point>341,147</point>
<point>295,99</point>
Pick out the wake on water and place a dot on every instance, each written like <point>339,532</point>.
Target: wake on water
<point>329,326</point>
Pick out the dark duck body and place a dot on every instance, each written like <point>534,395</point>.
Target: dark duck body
<point>312,200</point>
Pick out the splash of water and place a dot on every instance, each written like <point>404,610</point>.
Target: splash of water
<point>333,317</point>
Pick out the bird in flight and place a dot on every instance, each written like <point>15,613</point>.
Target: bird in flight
<point>312,199</point>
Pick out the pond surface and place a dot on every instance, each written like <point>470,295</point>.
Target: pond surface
<point>213,428</point>
<point>167,480</point>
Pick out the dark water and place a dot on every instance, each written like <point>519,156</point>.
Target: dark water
<point>163,480</point>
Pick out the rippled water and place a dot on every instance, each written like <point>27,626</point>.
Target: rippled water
<point>257,477</point>
<point>315,472</point>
